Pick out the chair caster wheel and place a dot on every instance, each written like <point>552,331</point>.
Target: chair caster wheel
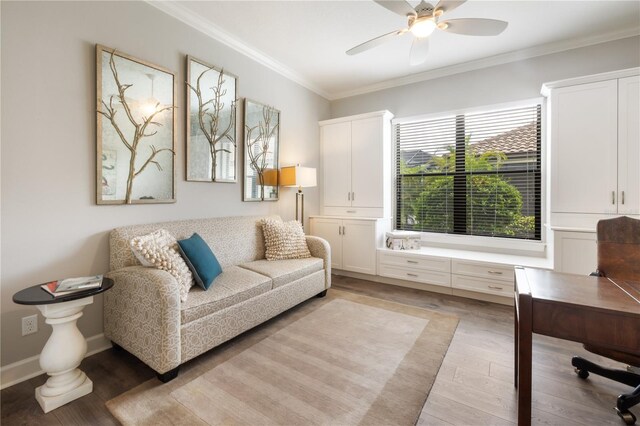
<point>627,417</point>
<point>583,374</point>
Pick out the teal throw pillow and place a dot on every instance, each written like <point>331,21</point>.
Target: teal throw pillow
<point>200,259</point>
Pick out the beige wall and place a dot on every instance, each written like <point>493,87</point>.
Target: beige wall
<point>498,84</point>
<point>51,227</point>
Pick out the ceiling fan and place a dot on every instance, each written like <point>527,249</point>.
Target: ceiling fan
<point>423,20</point>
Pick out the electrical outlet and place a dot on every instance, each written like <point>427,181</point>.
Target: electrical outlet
<point>29,325</point>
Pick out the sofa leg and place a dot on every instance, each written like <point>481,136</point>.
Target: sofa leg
<point>169,375</point>
<point>322,294</point>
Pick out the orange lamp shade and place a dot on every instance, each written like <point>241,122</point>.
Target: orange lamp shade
<point>299,177</point>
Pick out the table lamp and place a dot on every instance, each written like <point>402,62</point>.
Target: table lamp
<point>300,177</point>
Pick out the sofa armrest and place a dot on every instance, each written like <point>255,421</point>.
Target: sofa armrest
<point>319,247</point>
<point>142,314</point>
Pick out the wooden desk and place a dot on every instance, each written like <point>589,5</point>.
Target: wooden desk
<point>589,310</point>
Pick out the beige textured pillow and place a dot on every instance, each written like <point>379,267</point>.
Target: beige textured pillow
<point>284,240</point>
<point>159,249</point>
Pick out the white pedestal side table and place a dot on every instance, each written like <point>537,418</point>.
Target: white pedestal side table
<point>66,347</point>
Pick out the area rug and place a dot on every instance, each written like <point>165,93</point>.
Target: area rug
<point>344,359</point>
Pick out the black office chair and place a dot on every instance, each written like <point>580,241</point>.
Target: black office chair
<point>618,258</point>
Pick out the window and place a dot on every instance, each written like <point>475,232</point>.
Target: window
<point>471,174</point>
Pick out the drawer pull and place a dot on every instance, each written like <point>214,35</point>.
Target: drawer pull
<point>412,275</point>
<point>495,287</point>
<point>412,261</point>
<point>495,272</point>
<point>351,211</point>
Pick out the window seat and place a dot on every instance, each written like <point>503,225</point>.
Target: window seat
<point>465,273</point>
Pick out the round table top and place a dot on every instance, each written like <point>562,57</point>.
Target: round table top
<point>36,295</point>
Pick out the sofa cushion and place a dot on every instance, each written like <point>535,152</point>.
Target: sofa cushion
<point>233,286</point>
<point>159,249</point>
<point>285,271</point>
<point>284,240</point>
<point>202,262</point>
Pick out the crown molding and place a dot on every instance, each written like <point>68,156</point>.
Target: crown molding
<point>182,13</point>
<point>516,55</point>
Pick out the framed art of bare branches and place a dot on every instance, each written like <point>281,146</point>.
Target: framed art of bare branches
<point>211,123</point>
<point>135,130</point>
<point>261,150</point>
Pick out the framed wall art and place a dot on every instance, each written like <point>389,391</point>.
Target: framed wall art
<point>211,123</point>
<point>261,150</point>
<point>135,130</point>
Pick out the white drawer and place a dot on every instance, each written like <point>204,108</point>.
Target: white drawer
<point>482,285</point>
<point>494,271</point>
<point>430,263</point>
<point>418,275</point>
<point>353,211</point>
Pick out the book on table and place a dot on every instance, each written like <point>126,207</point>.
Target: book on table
<point>72,285</point>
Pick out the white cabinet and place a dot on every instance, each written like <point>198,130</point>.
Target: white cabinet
<point>629,145</point>
<point>482,277</point>
<point>584,138</point>
<point>422,269</point>
<point>575,252</point>
<point>356,165</point>
<point>462,273</point>
<point>336,150</point>
<point>353,241</point>
<point>594,140</point>
<point>331,230</point>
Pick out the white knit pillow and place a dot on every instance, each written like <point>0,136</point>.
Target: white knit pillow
<point>159,249</point>
<point>284,240</point>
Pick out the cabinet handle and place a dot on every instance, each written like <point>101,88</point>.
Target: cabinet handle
<point>412,261</point>
<point>351,211</point>
<point>495,287</point>
<point>495,272</point>
<point>344,229</point>
<point>412,275</point>
<point>613,197</point>
<point>339,230</point>
<point>353,196</point>
<point>349,196</point>
<point>622,197</point>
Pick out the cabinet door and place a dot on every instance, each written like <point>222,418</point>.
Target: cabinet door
<point>359,246</point>
<point>329,229</point>
<point>629,145</point>
<point>366,163</point>
<point>336,164</point>
<point>584,133</point>
<point>575,252</point>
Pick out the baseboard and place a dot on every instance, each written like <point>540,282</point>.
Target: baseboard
<point>28,368</point>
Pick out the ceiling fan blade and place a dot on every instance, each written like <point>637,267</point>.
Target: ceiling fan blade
<point>474,26</point>
<point>374,42</point>
<point>401,7</point>
<point>419,50</point>
<point>448,5</point>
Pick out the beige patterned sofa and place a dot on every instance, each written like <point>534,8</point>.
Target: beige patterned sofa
<point>143,313</point>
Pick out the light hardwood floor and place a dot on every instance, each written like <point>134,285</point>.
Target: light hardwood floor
<point>474,385</point>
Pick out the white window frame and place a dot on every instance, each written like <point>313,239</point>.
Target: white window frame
<point>477,242</point>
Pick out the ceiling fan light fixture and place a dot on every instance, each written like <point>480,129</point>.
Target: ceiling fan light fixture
<point>423,27</point>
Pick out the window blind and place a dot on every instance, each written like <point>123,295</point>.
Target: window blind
<point>471,174</point>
